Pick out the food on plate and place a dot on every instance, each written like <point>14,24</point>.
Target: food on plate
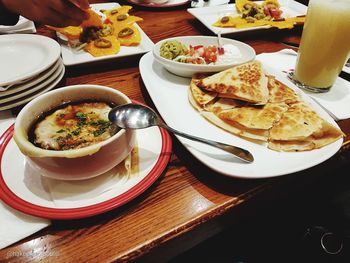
<point>245,82</point>
<point>252,14</point>
<point>103,34</point>
<point>281,119</point>
<point>73,126</point>
<point>301,129</point>
<point>199,54</point>
<point>172,49</point>
<point>279,92</point>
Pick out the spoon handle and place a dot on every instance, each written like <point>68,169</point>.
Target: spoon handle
<point>237,151</point>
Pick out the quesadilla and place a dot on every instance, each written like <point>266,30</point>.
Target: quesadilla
<point>199,98</point>
<point>279,92</point>
<point>302,129</point>
<point>252,122</point>
<point>245,82</point>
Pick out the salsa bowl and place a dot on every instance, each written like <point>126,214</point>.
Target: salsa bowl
<point>73,164</point>
<point>230,53</point>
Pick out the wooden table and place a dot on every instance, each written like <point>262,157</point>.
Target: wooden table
<point>189,203</point>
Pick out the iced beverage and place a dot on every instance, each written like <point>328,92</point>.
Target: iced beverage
<point>325,44</point>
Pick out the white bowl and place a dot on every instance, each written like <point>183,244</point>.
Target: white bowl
<point>74,164</point>
<point>188,70</point>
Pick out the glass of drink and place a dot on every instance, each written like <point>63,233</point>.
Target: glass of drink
<point>324,46</point>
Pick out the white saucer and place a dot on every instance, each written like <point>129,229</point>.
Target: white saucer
<point>24,56</point>
<point>23,189</point>
<point>41,88</point>
<point>32,83</point>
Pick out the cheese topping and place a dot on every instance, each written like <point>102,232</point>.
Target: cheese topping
<point>74,126</point>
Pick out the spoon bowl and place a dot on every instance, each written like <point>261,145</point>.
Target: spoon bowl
<point>136,116</point>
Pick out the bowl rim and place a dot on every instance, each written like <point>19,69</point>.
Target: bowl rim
<point>196,67</point>
<point>30,150</point>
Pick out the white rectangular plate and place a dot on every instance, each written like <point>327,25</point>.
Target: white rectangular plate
<point>209,15</point>
<point>71,57</point>
<point>170,95</point>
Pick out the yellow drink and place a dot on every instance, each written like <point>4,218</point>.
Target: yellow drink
<point>325,43</point>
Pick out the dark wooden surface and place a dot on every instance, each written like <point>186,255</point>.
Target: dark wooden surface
<point>189,203</point>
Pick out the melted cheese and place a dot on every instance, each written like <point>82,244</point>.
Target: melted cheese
<point>74,126</point>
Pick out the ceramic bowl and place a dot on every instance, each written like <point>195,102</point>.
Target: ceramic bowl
<point>74,164</point>
<point>246,54</point>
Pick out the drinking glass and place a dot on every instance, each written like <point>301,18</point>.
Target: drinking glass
<point>324,45</point>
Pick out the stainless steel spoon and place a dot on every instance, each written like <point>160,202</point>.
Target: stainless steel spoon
<point>135,116</point>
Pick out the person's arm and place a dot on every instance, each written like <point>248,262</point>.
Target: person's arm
<point>59,13</point>
<point>7,18</point>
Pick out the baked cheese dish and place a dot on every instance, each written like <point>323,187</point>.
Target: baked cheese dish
<point>73,126</point>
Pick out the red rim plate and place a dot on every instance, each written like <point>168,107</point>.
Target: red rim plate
<point>17,203</point>
<point>165,5</point>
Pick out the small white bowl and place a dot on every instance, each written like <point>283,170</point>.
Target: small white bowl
<point>74,164</point>
<point>188,70</point>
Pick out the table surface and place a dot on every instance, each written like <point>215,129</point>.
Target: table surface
<point>189,203</point>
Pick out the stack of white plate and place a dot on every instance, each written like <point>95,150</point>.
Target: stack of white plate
<point>29,66</point>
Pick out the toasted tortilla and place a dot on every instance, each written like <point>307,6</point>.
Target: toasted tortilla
<point>279,92</point>
<point>301,129</point>
<point>252,122</point>
<point>245,82</point>
<point>199,98</point>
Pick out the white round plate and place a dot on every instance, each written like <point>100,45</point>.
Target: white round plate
<point>23,100</point>
<point>32,83</point>
<point>24,56</point>
<point>25,190</point>
<point>169,92</point>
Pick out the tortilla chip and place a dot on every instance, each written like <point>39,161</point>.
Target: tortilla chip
<point>93,20</point>
<point>131,40</point>
<point>98,52</point>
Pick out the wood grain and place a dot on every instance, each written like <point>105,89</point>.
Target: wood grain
<point>188,203</point>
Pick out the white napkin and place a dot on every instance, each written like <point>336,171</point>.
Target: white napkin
<point>15,225</point>
<point>23,26</point>
<point>336,102</point>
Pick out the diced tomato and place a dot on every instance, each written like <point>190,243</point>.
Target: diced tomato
<point>221,50</point>
<point>197,47</point>
<point>275,13</point>
<point>267,11</point>
<point>108,21</point>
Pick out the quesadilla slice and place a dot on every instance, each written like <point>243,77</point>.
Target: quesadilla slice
<point>302,129</point>
<point>200,99</point>
<point>279,92</point>
<point>252,122</point>
<point>245,82</point>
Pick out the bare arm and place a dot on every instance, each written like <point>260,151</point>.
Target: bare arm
<point>59,13</point>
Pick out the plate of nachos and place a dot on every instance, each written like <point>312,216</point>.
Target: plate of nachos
<point>110,32</point>
<point>247,15</point>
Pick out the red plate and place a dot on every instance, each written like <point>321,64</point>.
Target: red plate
<point>13,200</point>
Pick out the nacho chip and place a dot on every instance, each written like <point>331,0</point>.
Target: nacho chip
<point>129,36</point>
<point>113,13</point>
<point>97,50</point>
<point>93,20</point>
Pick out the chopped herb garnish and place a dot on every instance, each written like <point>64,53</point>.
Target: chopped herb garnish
<point>61,130</point>
<point>81,116</point>
<point>98,132</point>
<point>76,132</point>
